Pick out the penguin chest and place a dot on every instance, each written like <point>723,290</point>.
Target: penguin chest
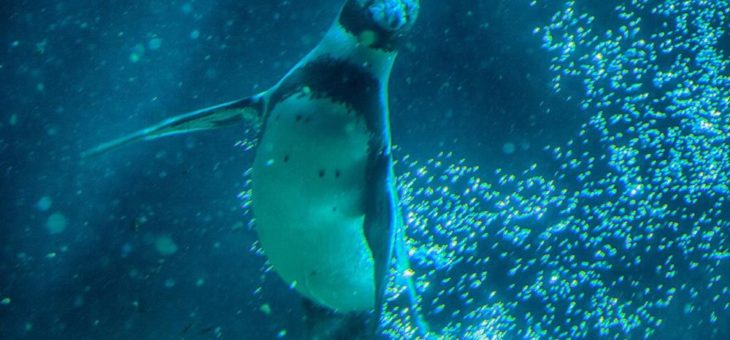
<point>309,181</point>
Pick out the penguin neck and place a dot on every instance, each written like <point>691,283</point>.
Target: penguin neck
<point>341,44</point>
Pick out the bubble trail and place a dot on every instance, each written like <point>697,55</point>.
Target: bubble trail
<point>629,238</point>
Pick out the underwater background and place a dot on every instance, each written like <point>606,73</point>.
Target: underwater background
<point>563,168</point>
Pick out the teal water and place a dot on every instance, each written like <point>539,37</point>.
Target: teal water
<point>562,168</point>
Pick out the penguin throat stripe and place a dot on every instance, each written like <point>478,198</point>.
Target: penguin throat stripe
<point>338,80</point>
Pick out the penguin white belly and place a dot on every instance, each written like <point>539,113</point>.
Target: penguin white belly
<point>309,179</point>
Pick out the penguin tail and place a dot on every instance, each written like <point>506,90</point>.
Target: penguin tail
<point>248,110</point>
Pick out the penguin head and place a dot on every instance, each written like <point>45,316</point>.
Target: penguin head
<point>390,15</point>
<point>386,20</point>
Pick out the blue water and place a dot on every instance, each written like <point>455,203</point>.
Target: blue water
<point>563,168</point>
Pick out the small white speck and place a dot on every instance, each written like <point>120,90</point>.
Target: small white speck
<point>56,223</point>
<point>508,148</point>
<point>154,43</point>
<point>165,245</point>
<point>44,203</point>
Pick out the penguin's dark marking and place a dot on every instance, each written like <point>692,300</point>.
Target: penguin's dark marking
<point>333,79</point>
<point>321,173</point>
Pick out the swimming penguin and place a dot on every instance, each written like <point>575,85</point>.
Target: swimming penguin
<point>323,192</point>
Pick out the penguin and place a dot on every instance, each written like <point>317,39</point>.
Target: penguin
<point>324,200</point>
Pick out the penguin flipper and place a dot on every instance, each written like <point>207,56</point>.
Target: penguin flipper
<point>247,110</point>
<point>380,226</point>
<point>384,231</point>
